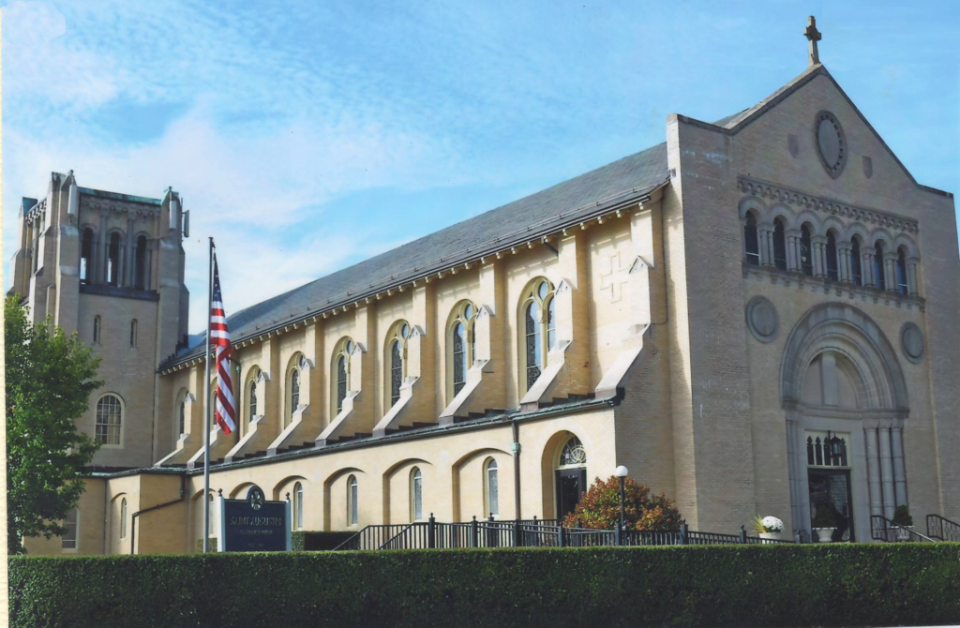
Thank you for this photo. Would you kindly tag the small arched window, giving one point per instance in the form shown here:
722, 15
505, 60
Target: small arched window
109, 419
397, 342
352, 509
96, 329
133, 333
539, 324
856, 262
779, 245
492, 488
832, 273
140, 268
86, 256
298, 506
341, 374
113, 260
416, 494
294, 393
463, 344
123, 518
573, 454
252, 397
183, 416
902, 286
751, 242
878, 274
806, 254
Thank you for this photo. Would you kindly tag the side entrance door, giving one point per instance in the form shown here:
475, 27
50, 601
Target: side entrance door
571, 483
830, 489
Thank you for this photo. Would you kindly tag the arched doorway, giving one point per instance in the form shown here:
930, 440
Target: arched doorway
845, 399
571, 476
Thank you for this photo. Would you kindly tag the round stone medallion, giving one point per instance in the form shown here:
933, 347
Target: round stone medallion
762, 319
911, 341
831, 143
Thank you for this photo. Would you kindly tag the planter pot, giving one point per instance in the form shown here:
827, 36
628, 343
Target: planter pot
770, 535
825, 535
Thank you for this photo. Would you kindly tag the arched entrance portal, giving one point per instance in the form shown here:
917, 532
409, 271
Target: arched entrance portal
845, 399
571, 476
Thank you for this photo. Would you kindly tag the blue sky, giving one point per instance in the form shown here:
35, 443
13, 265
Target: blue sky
306, 136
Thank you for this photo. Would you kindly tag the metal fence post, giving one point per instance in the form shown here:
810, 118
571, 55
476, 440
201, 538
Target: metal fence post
743, 535
431, 532
473, 532
684, 534
517, 541
561, 537
618, 536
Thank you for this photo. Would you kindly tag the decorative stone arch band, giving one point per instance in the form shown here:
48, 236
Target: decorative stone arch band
846, 329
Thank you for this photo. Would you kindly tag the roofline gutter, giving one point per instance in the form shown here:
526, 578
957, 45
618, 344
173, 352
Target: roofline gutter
621, 204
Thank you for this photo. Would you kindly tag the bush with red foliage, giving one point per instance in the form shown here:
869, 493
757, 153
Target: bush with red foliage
599, 508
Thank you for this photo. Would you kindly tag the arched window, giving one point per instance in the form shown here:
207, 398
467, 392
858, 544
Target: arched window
113, 260
806, 254
878, 274
779, 244
397, 342
183, 416
69, 539
341, 374
252, 398
133, 333
294, 399
751, 243
123, 518
96, 329
416, 495
462, 348
856, 269
573, 454
539, 323
832, 273
901, 271
298, 506
109, 418
140, 268
352, 510
493, 488
86, 256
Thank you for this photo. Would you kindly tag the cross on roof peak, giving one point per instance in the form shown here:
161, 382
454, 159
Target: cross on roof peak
813, 35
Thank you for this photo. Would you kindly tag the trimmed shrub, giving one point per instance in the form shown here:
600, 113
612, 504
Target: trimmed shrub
783, 585
599, 508
306, 541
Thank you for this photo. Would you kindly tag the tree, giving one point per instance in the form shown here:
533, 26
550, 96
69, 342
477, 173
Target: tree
49, 378
599, 508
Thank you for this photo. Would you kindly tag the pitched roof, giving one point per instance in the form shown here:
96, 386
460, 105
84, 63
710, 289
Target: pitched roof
517, 222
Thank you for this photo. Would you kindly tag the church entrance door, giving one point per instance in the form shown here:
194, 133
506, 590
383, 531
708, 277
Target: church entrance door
830, 491
571, 483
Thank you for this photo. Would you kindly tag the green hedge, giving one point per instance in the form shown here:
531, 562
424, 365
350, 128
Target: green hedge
807, 585
317, 541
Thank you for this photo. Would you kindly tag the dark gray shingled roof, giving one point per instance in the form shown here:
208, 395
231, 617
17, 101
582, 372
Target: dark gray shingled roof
516, 222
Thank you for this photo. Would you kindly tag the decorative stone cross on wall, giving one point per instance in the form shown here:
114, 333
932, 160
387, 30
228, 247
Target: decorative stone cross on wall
615, 278
812, 34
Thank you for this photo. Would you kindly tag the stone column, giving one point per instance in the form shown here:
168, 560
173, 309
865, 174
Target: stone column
866, 268
818, 246
890, 267
873, 471
793, 250
843, 263
913, 287
899, 474
886, 471
765, 238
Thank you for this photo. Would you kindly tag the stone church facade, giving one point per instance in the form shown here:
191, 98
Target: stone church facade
758, 315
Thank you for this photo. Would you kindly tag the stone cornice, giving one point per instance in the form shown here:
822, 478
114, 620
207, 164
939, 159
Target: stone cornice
768, 190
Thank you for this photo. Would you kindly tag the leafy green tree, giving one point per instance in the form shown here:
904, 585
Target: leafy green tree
49, 378
599, 508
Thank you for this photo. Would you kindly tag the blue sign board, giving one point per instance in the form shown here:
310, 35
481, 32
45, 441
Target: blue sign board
254, 524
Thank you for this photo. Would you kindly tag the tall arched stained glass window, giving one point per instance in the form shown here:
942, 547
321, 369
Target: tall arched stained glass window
878, 271
806, 254
493, 488
832, 273
856, 262
396, 371
533, 343
459, 339
416, 495
902, 287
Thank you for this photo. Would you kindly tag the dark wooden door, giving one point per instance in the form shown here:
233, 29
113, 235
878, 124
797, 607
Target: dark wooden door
830, 488
571, 483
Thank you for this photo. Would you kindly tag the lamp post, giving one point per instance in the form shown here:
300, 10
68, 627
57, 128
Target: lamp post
621, 473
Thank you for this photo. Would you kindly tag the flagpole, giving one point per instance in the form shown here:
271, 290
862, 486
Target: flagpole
206, 415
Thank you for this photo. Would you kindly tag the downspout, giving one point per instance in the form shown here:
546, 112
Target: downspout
516, 468
133, 522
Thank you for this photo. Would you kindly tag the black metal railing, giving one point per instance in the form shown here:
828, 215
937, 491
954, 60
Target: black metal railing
883, 529
490, 533
942, 529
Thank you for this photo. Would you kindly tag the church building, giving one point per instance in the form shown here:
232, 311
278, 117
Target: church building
758, 315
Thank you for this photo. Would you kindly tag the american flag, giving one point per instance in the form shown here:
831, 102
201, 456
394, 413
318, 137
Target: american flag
220, 337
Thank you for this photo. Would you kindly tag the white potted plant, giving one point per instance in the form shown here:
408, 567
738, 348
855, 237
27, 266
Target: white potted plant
824, 524
768, 527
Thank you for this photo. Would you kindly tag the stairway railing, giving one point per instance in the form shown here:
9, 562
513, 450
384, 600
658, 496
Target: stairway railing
883, 529
942, 529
